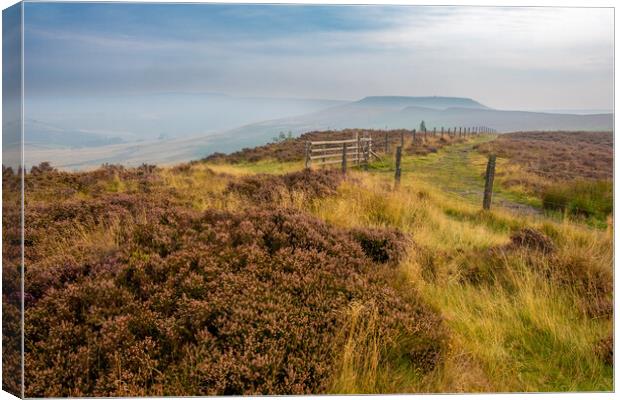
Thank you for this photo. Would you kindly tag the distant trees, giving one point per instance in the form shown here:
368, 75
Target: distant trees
282, 137
422, 126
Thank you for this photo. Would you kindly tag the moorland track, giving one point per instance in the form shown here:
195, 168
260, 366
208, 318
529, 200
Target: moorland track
458, 169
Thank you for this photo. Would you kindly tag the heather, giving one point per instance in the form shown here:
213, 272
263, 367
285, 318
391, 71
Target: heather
292, 149
565, 172
222, 277
558, 155
151, 297
11, 290
275, 188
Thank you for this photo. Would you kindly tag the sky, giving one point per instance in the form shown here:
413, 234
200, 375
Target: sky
507, 58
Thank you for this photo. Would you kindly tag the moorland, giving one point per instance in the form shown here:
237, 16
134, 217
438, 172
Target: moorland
248, 274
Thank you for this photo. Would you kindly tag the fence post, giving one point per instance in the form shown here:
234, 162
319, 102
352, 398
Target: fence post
366, 154
397, 172
488, 183
344, 159
357, 148
307, 160
414, 136
387, 146
402, 138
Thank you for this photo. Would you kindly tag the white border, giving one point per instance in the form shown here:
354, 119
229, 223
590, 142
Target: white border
508, 3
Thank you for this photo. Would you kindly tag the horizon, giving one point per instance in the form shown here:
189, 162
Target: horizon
322, 52
120, 82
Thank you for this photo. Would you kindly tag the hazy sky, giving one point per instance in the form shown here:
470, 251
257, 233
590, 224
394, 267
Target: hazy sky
511, 58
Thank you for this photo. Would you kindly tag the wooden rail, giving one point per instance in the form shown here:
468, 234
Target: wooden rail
357, 150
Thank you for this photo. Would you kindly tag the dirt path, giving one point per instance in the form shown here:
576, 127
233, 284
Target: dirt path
459, 169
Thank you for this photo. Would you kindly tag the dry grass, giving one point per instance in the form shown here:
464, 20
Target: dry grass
505, 327
514, 318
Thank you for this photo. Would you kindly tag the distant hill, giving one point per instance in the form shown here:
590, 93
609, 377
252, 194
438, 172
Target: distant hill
376, 112
434, 102
388, 114
151, 116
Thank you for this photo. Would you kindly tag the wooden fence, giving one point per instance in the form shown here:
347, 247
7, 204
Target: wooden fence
357, 150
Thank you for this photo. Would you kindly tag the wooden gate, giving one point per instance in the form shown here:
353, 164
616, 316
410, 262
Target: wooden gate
356, 150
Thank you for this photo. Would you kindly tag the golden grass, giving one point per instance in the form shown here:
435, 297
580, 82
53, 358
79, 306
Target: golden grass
523, 335
523, 332
358, 364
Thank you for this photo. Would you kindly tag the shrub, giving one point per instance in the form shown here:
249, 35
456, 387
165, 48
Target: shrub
381, 245
42, 168
214, 303
585, 198
557, 155
264, 188
11, 282
605, 349
530, 238
593, 283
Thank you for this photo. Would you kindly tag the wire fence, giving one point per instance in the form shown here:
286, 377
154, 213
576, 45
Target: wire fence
464, 186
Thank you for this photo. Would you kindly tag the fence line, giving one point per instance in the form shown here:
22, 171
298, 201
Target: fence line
359, 150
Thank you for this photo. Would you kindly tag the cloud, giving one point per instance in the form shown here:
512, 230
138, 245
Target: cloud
503, 56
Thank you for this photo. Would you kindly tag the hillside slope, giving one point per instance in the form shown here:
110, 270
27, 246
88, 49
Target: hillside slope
377, 112
261, 278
